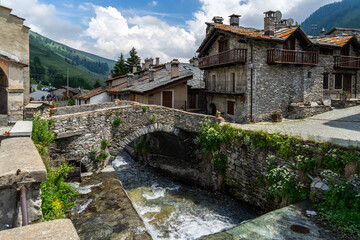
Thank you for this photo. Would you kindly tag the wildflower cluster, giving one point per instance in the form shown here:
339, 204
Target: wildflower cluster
276, 112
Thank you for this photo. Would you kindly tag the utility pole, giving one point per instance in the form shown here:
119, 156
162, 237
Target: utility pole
67, 80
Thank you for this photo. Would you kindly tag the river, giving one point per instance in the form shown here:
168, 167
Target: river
172, 210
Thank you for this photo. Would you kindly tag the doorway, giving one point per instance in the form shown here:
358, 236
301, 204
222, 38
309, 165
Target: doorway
167, 99
3, 93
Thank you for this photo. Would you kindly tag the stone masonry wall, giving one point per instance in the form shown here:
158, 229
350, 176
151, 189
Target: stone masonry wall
76, 134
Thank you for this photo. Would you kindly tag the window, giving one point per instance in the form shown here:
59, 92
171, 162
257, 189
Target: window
326, 51
309, 74
213, 83
232, 82
230, 107
223, 45
290, 43
338, 81
326, 81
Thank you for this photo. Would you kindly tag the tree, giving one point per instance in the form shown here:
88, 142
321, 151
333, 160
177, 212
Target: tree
132, 60
120, 67
97, 84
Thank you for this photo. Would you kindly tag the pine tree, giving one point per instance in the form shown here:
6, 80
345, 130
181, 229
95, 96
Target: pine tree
132, 60
119, 67
97, 84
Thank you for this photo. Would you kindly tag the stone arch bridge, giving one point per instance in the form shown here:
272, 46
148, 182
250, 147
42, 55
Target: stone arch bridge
79, 129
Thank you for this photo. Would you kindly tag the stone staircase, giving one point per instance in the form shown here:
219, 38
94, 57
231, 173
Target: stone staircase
3, 120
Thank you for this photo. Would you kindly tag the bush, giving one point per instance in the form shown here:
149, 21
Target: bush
41, 135
56, 195
102, 155
104, 143
71, 101
117, 122
144, 108
152, 118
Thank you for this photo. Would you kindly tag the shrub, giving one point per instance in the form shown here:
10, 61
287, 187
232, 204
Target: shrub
117, 122
142, 145
144, 108
104, 143
41, 135
102, 155
152, 118
56, 195
71, 101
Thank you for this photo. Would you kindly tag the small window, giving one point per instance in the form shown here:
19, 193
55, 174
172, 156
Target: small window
232, 82
338, 81
309, 74
326, 51
213, 82
326, 81
230, 107
223, 45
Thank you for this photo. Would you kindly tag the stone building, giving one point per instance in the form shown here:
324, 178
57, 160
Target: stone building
250, 72
14, 67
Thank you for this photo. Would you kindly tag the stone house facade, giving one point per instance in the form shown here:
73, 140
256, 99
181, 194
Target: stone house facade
14, 66
250, 72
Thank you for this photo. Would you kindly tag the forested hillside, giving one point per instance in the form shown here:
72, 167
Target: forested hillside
344, 14
50, 60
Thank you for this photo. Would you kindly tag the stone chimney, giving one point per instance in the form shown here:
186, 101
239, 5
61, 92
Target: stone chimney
147, 63
218, 19
234, 20
157, 61
134, 68
130, 79
269, 23
151, 62
322, 32
151, 74
174, 68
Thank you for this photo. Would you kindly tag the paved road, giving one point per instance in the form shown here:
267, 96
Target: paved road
340, 126
38, 93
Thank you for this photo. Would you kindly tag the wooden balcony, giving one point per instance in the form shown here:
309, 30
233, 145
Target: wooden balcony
347, 62
224, 58
292, 57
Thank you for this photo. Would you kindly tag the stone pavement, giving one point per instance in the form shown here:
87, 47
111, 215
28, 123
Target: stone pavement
339, 126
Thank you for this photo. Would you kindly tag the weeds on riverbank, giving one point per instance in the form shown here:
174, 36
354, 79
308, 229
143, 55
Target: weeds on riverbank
56, 195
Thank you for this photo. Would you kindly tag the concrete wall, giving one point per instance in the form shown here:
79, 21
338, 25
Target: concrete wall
100, 98
20, 165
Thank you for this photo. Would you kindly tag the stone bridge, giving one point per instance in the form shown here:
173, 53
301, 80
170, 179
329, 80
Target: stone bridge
80, 129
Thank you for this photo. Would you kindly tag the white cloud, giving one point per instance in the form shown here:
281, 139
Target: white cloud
151, 36
42, 18
85, 6
153, 3
68, 5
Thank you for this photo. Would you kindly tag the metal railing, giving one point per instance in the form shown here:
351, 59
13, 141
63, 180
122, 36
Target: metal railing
347, 62
223, 58
292, 57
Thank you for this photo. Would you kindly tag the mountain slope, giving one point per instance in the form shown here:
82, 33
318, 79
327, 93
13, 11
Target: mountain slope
55, 58
344, 14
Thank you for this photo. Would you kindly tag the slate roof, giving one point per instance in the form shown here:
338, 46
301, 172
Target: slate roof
73, 90
91, 93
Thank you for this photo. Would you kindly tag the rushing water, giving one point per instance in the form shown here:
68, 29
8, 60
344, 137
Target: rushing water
172, 210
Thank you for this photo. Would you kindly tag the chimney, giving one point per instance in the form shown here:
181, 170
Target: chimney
234, 20
218, 19
157, 61
174, 68
269, 23
322, 33
134, 68
147, 63
151, 74
151, 62
143, 66
129, 79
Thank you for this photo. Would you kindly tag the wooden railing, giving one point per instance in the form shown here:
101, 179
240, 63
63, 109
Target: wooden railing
223, 58
347, 62
292, 57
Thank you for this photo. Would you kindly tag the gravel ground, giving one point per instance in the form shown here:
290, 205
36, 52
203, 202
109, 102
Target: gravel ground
340, 126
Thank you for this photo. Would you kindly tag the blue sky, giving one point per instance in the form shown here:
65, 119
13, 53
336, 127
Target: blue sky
156, 28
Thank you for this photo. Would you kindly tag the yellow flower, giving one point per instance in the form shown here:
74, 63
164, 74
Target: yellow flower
57, 206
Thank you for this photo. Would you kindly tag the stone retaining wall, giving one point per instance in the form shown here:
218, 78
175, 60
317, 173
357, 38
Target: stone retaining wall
345, 104
298, 112
20, 165
77, 134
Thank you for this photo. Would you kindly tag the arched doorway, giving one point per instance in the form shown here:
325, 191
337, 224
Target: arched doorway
212, 109
3, 93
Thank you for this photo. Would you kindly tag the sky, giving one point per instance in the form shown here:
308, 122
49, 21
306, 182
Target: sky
156, 28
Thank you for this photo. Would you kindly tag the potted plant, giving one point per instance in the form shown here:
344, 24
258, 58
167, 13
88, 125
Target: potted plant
346, 95
52, 105
52, 111
276, 115
217, 113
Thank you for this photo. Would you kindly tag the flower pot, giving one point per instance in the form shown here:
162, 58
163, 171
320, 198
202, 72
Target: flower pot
217, 115
276, 118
